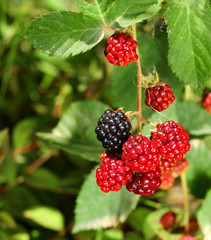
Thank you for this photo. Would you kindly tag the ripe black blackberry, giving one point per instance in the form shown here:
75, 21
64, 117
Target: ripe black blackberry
113, 129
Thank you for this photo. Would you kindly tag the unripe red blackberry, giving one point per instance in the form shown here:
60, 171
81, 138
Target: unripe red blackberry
187, 237
113, 129
112, 174
159, 97
172, 139
140, 154
206, 102
121, 49
167, 181
168, 219
145, 183
167, 165
193, 225
181, 166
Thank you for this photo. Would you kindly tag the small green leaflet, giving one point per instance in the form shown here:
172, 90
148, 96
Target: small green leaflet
45, 216
189, 30
204, 216
95, 209
62, 34
125, 13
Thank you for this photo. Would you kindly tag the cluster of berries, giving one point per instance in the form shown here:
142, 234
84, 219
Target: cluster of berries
141, 164
134, 160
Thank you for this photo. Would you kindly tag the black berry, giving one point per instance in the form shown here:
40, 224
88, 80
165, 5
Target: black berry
113, 129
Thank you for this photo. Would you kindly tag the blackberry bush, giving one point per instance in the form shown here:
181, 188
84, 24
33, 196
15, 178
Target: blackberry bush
174, 42
113, 129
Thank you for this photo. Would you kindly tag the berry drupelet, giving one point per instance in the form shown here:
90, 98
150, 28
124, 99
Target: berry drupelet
167, 165
121, 49
181, 166
113, 129
140, 154
112, 174
172, 139
145, 183
167, 181
159, 97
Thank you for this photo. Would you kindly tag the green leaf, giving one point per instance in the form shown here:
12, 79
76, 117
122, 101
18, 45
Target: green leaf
199, 125
17, 200
43, 179
124, 13
113, 234
98, 9
8, 169
189, 30
157, 117
204, 216
24, 132
46, 217
95, 209
3, 235
199, 172
19, 233
137, 218
6, 220
122, 85
4, 143
61, 34
75, 132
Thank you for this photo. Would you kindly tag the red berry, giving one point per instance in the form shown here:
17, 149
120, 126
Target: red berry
206, 102
172, 139
167, 165
121, 49
145, 183
159, 97
140, 154
181, 166
168, 219
193, 224
167, 181
112, 174
187, 237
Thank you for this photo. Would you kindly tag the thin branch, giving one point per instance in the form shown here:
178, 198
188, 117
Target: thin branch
139, 73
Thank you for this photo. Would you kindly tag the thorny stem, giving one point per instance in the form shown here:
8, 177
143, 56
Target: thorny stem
139, 73
186, 202
62, 233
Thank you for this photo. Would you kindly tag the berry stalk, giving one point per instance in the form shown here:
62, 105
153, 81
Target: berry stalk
140, 76
186, 202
